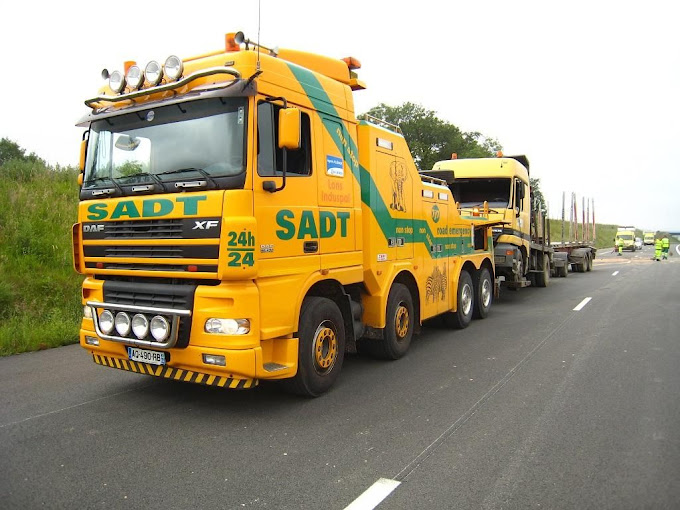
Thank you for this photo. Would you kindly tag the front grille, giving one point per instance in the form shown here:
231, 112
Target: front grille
152, 267
165, 229
154, 251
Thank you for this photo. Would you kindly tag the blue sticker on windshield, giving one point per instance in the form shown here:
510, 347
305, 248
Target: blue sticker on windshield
334, 166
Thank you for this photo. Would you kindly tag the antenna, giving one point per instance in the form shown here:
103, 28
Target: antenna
259, 10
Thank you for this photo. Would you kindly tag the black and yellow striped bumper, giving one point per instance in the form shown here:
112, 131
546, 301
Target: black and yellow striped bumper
176, 374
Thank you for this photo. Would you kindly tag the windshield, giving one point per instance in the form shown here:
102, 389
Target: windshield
626, 237
201, 141
474, 192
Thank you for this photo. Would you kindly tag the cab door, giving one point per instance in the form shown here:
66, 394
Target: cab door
287, 218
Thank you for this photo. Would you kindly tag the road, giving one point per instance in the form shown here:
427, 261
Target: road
537, 406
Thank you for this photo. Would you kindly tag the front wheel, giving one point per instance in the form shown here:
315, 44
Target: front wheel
543, 278
460, 319
321, 348
483, 294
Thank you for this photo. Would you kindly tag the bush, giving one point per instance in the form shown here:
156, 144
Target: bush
39, 291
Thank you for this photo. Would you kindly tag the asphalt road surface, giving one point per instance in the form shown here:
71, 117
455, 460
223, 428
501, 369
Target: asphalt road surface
537, 406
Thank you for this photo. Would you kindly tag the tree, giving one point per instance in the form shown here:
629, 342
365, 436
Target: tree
539, 200
10, 150
432, 139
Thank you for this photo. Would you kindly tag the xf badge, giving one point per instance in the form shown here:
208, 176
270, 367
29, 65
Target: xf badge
205, 225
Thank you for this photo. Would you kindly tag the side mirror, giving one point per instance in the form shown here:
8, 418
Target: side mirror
289, 129
81, 166
83, 151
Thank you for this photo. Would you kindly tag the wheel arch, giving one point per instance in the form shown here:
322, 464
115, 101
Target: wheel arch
336, 292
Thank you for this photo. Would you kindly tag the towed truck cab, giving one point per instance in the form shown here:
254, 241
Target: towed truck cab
501, 186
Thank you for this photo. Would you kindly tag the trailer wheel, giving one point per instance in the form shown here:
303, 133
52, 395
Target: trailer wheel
321, 347
483, 294
400, 323
543, 278
589, 263
460, 319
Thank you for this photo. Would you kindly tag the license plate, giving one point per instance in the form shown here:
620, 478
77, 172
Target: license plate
152, 357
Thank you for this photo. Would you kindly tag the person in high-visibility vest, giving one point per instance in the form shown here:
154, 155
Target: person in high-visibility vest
658, 247
665, 245
619, 245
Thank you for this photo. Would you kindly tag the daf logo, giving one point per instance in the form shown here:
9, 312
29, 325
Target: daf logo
205, 225
93, 228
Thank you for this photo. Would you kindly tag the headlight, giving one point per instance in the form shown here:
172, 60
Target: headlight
135, 78
160, 328
140, 326
173, 68
153, 72
106, 322
122, 323
117, 82
227, 326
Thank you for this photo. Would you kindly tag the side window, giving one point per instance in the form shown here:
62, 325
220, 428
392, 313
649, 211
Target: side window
269, 156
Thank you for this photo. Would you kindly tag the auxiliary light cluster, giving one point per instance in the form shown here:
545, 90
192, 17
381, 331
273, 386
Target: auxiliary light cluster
153, 75
138, 324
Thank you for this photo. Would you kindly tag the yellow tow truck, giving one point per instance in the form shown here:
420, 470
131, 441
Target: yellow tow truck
238, 223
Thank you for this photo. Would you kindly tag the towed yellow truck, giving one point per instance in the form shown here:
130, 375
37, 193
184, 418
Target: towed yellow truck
238, 223
524, 253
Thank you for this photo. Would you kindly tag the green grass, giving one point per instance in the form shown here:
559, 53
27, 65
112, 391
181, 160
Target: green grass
39, 290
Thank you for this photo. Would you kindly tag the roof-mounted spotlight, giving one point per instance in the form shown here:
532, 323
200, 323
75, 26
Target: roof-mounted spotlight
153, 73
173, 68
135, 78
116, 82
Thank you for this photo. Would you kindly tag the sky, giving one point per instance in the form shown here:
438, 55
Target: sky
588, 90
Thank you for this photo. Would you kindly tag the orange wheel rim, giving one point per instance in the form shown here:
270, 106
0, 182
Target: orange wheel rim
401, 321
325, 346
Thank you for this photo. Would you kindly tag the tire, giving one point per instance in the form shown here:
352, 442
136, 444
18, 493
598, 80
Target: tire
321, 348
399, 325
483, 287
581, 267
461, 318
563, 271
543, 278
589, 263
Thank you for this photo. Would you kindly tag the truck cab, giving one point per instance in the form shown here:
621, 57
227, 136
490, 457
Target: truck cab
501, 187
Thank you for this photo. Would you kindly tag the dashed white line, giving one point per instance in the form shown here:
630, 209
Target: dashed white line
615, 273
374, 495
582, 304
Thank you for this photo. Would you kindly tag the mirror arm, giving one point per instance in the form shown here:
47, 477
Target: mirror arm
271, 185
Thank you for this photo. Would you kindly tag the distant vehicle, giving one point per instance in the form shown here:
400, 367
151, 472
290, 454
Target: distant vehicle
627, 234
649, 238
638, 243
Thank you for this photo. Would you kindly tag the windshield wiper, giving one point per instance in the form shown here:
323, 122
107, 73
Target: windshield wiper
147, 174
191, 184
108, 191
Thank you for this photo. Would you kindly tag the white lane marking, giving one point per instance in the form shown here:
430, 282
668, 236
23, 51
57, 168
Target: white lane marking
615, 273
677, 248
582, 304
374, 495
